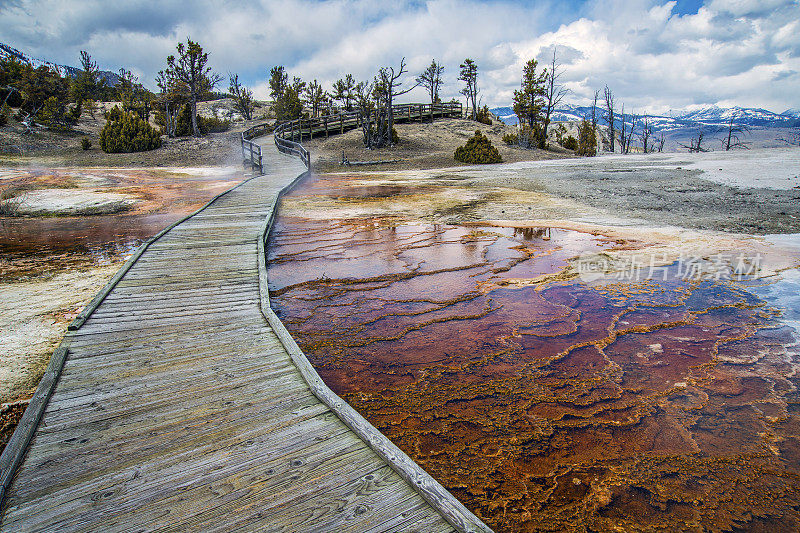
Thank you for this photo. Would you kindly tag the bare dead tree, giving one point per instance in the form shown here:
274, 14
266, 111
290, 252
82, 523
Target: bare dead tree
646, 134
627, 131
734, 137
696, 143
11, 90
594, 113
387, 86
28, 122
365, 103
609, 98
662, 139
554, 92
628, 142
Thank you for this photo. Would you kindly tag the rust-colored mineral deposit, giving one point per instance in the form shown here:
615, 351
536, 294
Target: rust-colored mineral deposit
543, 402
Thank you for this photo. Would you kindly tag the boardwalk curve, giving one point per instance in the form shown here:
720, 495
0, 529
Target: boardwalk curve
183, 404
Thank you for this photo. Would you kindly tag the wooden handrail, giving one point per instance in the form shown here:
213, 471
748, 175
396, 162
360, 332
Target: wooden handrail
251, 152
289, 135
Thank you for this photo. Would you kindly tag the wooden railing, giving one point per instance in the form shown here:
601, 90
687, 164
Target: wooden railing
289, 135
251, 152
289, 146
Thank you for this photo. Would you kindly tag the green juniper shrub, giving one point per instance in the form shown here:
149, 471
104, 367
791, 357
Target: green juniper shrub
213, 124
5, 114
483, 116
478, 150
532, 137
570, 143
86, 143
587, 140
127, 132
56, 115
395, 136
560, 130
183, 127
76, 112
511, 138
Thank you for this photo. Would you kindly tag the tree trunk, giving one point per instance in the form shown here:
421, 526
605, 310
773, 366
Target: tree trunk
389, 118
195, 129
475, 103
546, 124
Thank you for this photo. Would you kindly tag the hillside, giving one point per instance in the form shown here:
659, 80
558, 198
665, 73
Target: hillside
422, 146
65, 70
710, 116
765, 128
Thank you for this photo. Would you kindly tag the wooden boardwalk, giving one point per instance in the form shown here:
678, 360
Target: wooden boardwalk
181, 405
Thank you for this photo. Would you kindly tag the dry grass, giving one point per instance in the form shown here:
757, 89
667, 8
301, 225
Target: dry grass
422, 146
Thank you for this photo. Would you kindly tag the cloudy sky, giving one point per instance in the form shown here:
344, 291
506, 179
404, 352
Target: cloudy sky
655, 55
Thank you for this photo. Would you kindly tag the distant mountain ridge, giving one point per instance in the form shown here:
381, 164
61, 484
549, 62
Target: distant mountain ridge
65, 70
711, 116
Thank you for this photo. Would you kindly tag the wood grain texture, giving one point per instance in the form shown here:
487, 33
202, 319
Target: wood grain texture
431, 490
173, 404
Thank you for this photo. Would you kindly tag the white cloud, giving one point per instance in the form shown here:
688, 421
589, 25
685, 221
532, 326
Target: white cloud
745, 52
656, 60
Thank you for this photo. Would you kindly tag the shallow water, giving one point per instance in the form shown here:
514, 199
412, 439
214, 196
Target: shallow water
542, 401
31, 246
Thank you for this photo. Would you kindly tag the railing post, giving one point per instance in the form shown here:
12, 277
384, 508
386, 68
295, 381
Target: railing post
341, 123
326, 126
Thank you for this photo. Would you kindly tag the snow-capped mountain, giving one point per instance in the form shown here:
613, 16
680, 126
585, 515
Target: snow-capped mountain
564, 113
714, 117
65, 70
506, 115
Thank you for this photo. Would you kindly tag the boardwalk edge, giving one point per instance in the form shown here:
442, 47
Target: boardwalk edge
452, 510
17, 445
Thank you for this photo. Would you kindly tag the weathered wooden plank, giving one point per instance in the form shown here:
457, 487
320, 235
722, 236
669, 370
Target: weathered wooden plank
436, 495
154, 480
180, 408
155, 356
141, 382
415, 515
274, 478
152, 401
84, 314
297, 428
16, 447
